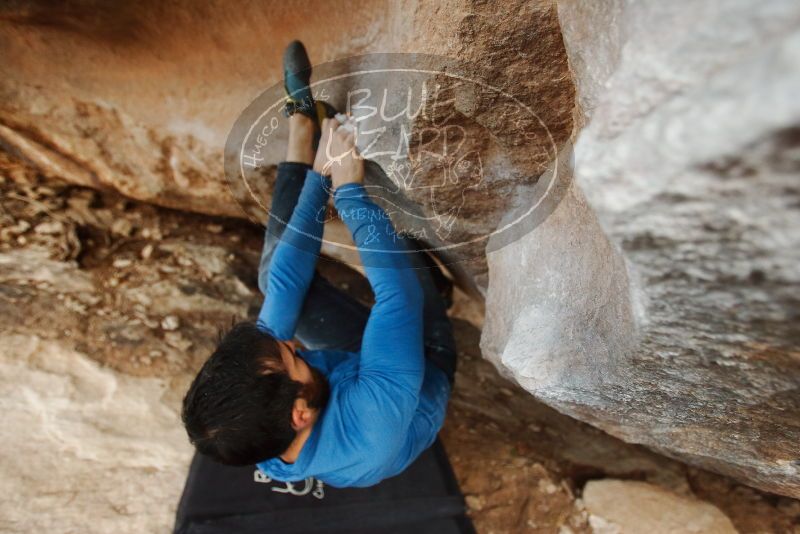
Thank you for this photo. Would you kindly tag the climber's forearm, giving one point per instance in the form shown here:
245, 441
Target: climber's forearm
294, 261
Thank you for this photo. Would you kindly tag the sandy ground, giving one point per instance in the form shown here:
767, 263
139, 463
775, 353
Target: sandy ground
108, 307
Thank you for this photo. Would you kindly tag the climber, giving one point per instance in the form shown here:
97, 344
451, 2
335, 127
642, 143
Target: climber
368, 393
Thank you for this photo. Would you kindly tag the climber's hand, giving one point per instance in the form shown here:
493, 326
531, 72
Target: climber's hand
350, 168
337, 155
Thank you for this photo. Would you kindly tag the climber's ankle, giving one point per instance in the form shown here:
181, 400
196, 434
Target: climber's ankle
301, 139
301, 124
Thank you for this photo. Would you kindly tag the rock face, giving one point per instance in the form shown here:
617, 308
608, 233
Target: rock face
142, 100
107, 310
665, 310
73, 425
627, 507
653, 290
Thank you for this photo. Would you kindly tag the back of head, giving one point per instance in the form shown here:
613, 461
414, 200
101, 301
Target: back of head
238, 409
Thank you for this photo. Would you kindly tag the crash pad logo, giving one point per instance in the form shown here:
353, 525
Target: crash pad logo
309, 486
457, 164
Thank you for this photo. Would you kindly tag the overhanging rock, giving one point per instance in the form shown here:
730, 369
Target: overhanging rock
689, 161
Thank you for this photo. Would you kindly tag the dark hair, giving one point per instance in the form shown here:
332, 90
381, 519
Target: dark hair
238, 409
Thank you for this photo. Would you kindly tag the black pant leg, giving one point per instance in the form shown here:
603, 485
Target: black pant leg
331, 319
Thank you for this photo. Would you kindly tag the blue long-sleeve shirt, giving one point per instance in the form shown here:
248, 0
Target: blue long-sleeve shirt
387, 401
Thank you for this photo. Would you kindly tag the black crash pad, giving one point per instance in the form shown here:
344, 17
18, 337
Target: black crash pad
221, 499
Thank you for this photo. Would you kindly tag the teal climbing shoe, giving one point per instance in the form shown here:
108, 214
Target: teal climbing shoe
296, 83
296, 79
